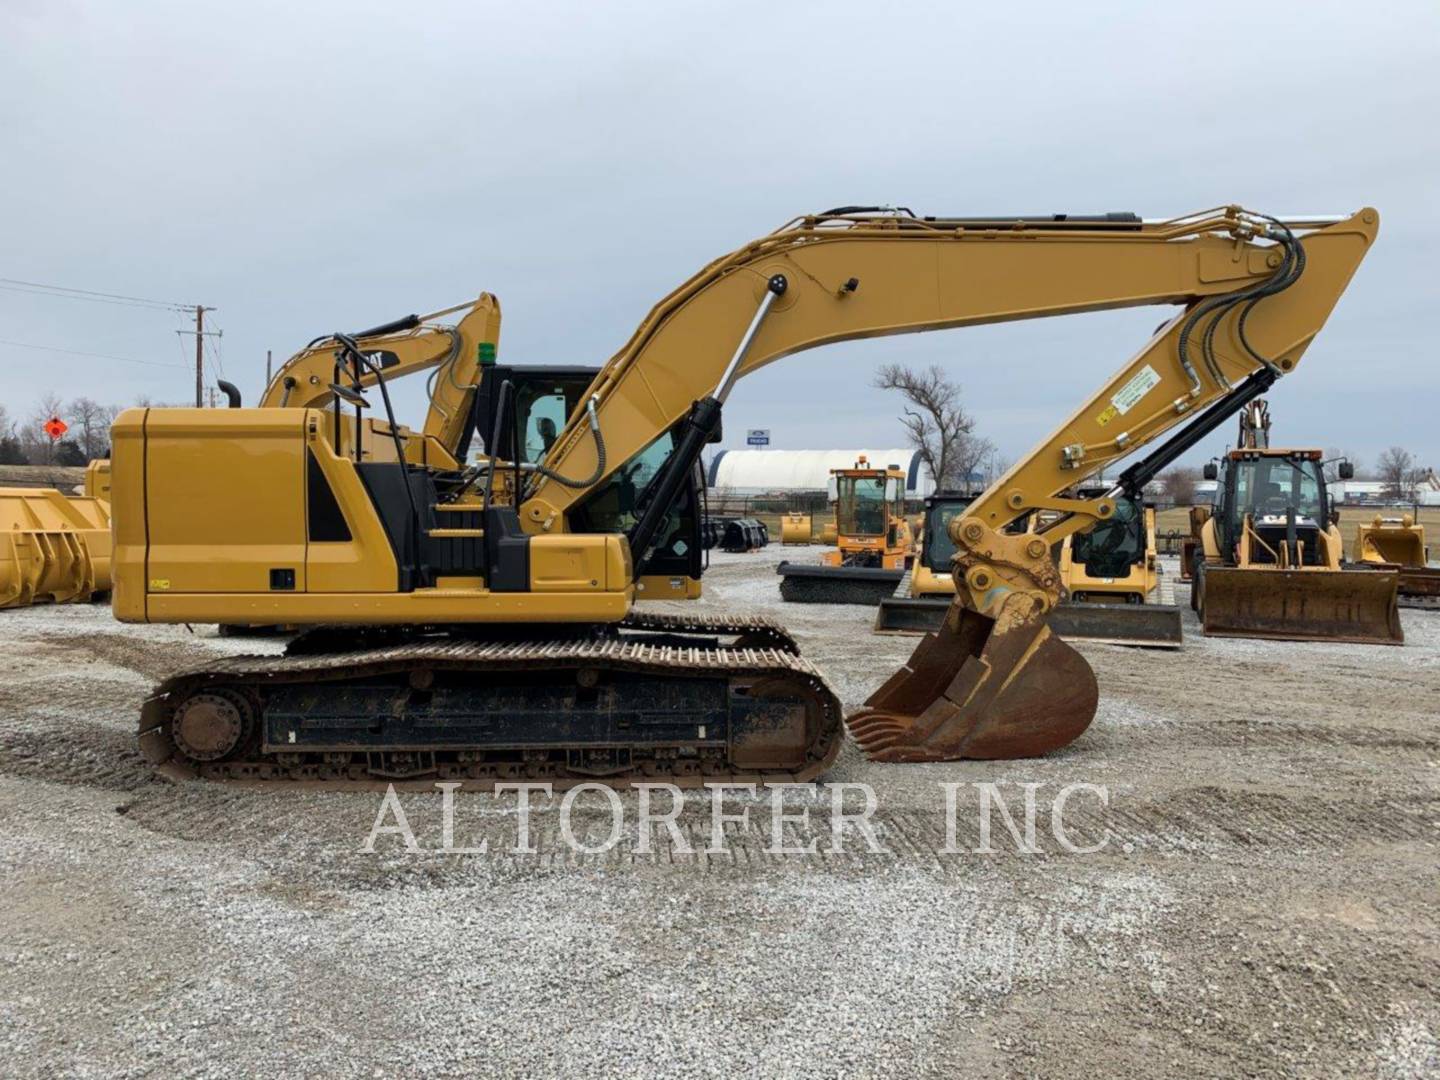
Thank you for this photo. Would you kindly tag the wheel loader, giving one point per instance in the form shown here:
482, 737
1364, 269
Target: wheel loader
873, 542
475, 621
1110, 574
1267, 561
1398, 543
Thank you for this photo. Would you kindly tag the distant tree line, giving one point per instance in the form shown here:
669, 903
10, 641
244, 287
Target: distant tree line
24, 441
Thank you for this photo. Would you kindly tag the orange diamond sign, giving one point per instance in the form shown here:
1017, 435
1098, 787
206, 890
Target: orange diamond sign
55, 427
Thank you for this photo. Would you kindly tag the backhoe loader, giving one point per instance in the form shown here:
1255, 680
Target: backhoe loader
1398, 544
873, 542
475, 622
1267, 562
1113, 592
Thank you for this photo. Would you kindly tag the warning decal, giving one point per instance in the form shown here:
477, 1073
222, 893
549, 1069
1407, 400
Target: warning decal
1130, 394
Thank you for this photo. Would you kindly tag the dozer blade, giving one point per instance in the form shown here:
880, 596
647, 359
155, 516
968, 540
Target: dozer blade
1155, 626
1302, 605
979, 688
1419, 587
1148, 625
813, 584
910, 614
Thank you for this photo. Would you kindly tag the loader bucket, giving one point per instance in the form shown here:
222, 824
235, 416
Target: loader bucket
815, 584
979, 688
1301, 605
53, 549
1148, 625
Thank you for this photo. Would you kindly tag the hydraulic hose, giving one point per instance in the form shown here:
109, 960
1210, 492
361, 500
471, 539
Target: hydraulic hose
594, 477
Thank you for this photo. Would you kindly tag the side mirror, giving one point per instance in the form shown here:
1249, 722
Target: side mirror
1347, 471
1211, 471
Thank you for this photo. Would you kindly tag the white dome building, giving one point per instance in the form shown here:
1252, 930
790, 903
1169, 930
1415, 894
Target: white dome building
767, 472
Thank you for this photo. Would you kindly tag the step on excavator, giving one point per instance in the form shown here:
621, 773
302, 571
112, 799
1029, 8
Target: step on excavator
873, 541
476, 621
1268, 555
1113, 590
1398, 544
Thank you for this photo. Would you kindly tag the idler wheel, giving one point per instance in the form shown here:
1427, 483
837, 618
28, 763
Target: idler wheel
210, 724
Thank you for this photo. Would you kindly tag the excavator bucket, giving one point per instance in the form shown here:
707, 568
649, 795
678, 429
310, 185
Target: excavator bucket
818, 584
1301, 605
980, 687
1148, 625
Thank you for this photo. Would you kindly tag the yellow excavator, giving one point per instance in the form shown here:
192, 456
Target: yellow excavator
1113, 589
1267, 562
873, 541
476, 622
1398, 544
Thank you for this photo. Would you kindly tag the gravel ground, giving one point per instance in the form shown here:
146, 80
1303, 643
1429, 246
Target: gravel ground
1264, 903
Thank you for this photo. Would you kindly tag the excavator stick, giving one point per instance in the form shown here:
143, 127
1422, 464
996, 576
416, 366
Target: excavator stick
818, 584
980, 687
1148, 625
1301, 605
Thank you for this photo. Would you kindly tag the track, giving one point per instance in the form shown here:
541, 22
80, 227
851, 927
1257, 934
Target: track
659, 701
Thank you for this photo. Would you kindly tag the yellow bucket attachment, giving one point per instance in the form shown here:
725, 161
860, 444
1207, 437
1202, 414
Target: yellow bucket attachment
795, 529
980, 687
1301, 605
53, 548
1391, 542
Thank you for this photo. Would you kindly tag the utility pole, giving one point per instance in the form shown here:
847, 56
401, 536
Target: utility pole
200, 333
267, 367
199, 354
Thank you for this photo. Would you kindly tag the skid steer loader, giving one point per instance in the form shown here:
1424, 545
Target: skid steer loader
1111, 576
873, 542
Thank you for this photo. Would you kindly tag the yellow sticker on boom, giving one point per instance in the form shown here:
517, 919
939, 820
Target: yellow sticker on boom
1108, 415
159, 584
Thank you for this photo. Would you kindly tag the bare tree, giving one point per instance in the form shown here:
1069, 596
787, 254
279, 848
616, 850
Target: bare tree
1396, 470
1179, 485
92, 421
936, 423
38, 446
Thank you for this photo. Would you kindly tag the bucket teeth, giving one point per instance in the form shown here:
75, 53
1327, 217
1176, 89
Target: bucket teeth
975, 690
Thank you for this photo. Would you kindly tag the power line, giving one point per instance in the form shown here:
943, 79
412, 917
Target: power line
78, 352
67, 293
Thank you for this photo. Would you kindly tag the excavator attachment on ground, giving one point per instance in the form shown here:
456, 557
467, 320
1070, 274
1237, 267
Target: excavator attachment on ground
55, 548
873, 542
1267, 561
1398, 544
475, 620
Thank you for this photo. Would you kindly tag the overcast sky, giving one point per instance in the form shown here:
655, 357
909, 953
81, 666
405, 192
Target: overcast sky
305, 167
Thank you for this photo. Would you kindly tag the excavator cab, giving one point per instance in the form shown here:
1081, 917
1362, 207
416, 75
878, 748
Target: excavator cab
541, 399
